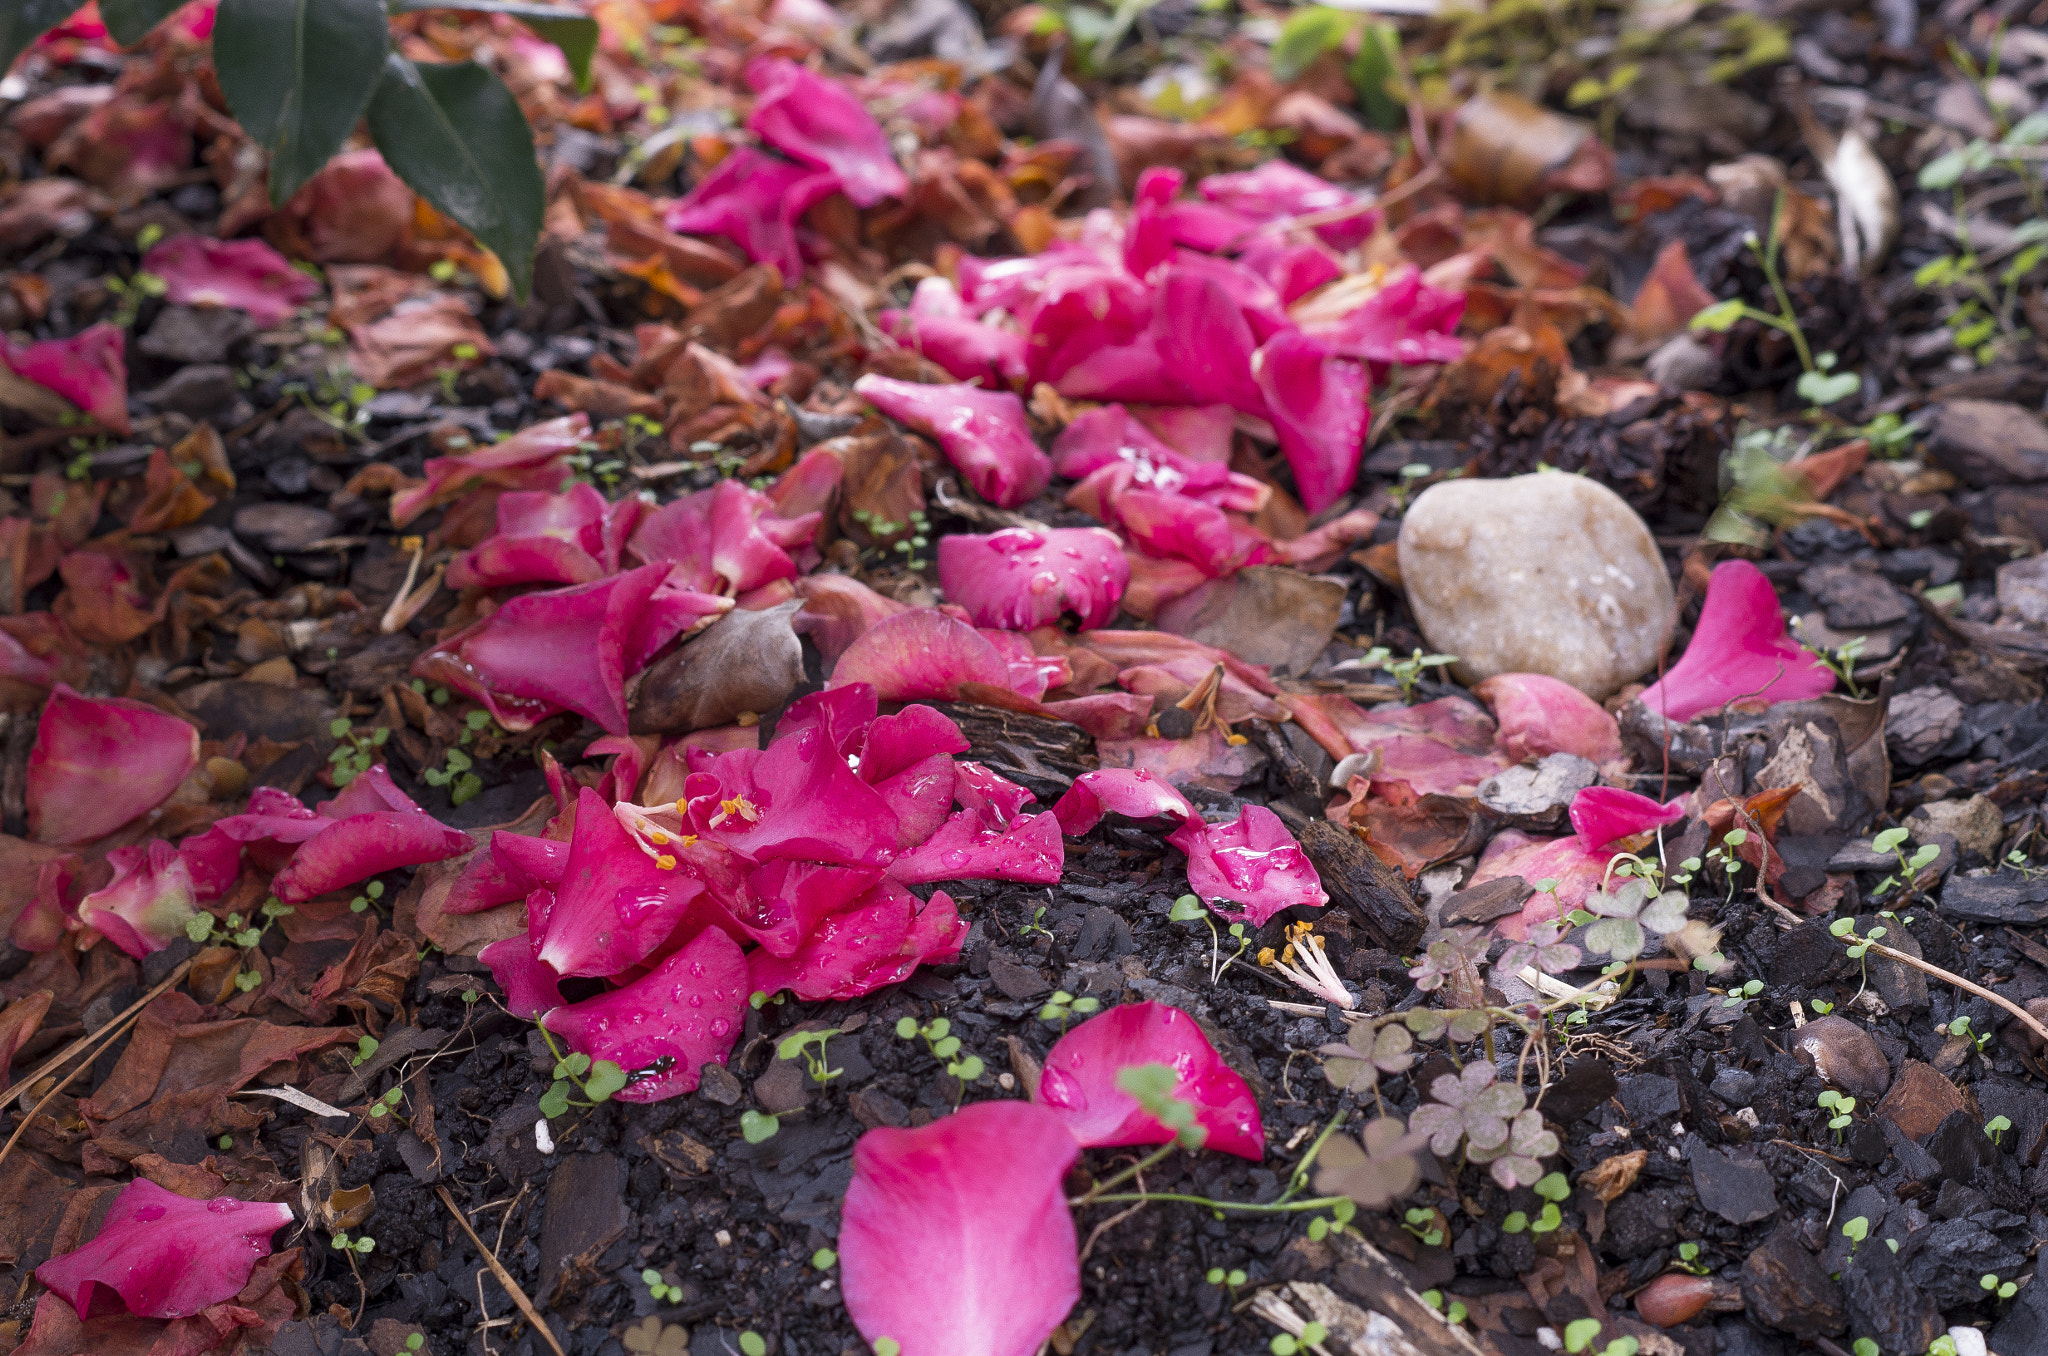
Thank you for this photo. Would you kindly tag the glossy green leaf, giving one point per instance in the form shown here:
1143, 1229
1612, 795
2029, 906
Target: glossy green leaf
298, 75
1374, 75
455, 133
130, 20
1306, 36
565, 26
23, 21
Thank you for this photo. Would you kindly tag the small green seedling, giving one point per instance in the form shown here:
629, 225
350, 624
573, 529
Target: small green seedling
1312, 1335
940, 1040
1153, 1086
363, 1244
1422, 1223
1864, 1346
1062, 1007
1188, 909
1996, 1127
797, 1045
888, 1346
1822, 1006
1231, 1279
1689, 1259
1893, 841
1340, 1215
415, 1342
1843, 1109
1961, 1027
1742, 993
1857, 1229
576, 1072
1037, 924
658, 1286
2002, 1289
1435, 1300
386, 1104
753, 1344
824, 1259
757, 1126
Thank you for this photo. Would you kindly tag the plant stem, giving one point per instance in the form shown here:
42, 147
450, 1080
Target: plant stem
1301, 1169
1319, 1203
1094, 1193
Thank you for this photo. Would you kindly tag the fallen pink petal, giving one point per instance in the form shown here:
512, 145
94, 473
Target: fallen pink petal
1079, 1081
1739, 654
981, 432
149, 902
99, 762
1603, 815
664, 1027
161, 1255
241, 275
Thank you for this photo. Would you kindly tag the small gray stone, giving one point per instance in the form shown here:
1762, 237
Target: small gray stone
1684, 364
1977, 824
1918, 724
2001, 897
1856, 599
1737, 1186
1543, 573
1541, 792
1734, 1086
1785, 1287
199, 541
198, 392
191, 334
1844, 1054
2023, 591
285, 528
1989, 442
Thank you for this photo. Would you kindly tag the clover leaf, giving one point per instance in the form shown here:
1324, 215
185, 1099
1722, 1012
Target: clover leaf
1514, 1161
1458, 951
1377, 1168
1471, 1106
1356, 1063
1544, 948
1625, 912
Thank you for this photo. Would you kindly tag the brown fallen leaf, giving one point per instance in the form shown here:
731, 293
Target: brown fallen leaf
1610, 1177
1505, 149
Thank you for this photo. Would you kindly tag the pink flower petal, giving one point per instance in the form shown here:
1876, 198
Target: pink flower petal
1278, 189
1539, 715
1578, 873
99, 762
727, 539
500, 874
955, 1238
1205, 340
982, 433
1020, 578
90, 370
1291, 269
1739, 652
1317, 403
878, 941
1252, 861
922, 653
147, 904
531, 459
820, 123
162, 1255
1170, 526
1130, 792
838, 610
795, 799
240, 275
542, 539
1109, 434
1405, 322
530, 985
668, 1024
615, 904
364, 845
969, 847
1602, 815
1079, 1083
754, 199
967, 349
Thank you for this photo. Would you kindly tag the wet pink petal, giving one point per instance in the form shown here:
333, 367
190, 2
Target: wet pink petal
879, 940
820, 123
727, 539
1106, 715
1110, 433
90, 370
922, 653
838, 610
240, 275
1603, 815
363, 845
1170, 526
795, 799
754, 198
1539, 715
1020, 578
1079, 1083
1317, 404
1130, 792
1578, 873
1739, 652
616, 903
530, 985
995, 358
1406, 322
513, 867
161, 1255
99, 762
969, 847
1278, 189
983, 433
955, 1238
1292, 269
892, 744
541, 539
667, 1025
1252, 861
784, 901
1031, 674
146, 906
1206, 340
531, 459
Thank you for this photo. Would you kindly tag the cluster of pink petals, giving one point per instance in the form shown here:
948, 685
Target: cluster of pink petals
534, 458
1539, 715
1603, 818
982, 433
1739, 653
161, 1255
956, 1238
240, 275
1021, 578
728, 540
802, 850
90, 369
98, 763
817, 140
1110, 435
569, 538
1405, 321
1251, 861
1442, 747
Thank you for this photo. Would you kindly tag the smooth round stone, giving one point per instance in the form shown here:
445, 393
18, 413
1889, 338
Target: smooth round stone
1546, 573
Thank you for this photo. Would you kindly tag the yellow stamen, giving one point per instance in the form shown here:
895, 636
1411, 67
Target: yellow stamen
1266, 955
657, 837
665, 862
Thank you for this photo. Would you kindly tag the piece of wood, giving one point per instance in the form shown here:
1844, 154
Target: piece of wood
1365, 1274
1359, 881
1044, 756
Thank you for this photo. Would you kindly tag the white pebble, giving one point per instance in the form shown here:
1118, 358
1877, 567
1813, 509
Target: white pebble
545, 1140
1969, 1341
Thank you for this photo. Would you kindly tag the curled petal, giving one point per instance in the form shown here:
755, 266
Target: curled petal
146, 906
99, 762
1021, 578
754, 199
1079, 1081
615, 904
240, 275
1109, 434
531, 459
1603, 815
1131, 792
727, 539
1280, 189
955, 1238
1252, 861
880, 940
797, 799
90, 370
361, 846
664, 1027
982, 433
967, 847
161, 1255
821, 124
967, 349
1540, 715
1317, 403
1739, 652
922, 653
530, 984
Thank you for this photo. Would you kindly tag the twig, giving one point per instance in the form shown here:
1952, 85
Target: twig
50, 1065
504, 1277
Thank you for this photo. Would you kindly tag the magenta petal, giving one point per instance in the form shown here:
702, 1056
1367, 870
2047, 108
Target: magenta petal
989, 794
1601, 815
146, 906
1079, 1083
821, 123
1109, 434
754, 199
1292, 270
1205, 341
99, 762
784, 901
1739, 652
982, 433
162, 1255
895, 743
967, 349
530, 985
1407, 322
795, 799
615, 905
877, 941
492, 878
1279, 189
1020, 578
955, 1238
1317, 403
1540, 715
668, 1024
90, 369
528, 458
728, 539
922, 653
362, 846
967, 847
1130, 792
240, 275
1252, 861
919, 797
503, 561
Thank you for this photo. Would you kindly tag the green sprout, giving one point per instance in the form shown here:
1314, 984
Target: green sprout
1312, 1334
1893, 841
597, 1080
1742, 992
1435, 1300
362, 1244
1063, 1006
1843, 1109
940, 1040
1996, 1127
658, 1286
797, 1045
2002, 1289
1689, 1259
1961, 1027
1188, 909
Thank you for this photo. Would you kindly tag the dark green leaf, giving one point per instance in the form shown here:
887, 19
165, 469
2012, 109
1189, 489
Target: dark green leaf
23, 21
455, 133
298, 75
1373, 70
565, 26
1306, 36
130, 20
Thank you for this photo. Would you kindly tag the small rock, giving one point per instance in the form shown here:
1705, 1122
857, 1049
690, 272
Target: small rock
198, 392
2001, 897
192, 335
1540, 794
1484, 903
1651, 1100
780, 1088
1543, 573
1016, 979
1735, 1186
718, 1084
2023, 591
1734, 1086
1960, 1145
1856, 599
1977, 824
1684, 364
1969, 1341
285, 528
1919, 724
1640, 1223
1949, 1260
872, 1107
1885, 1305
200, 541
1784, 1287
1900, 985
1844, 1054
291, 474
1810, 756
1989, 442
1919, 1100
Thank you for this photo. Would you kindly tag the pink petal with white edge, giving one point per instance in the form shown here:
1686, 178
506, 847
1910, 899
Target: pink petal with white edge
983, 433
921, 654
955, 1238
1539, 715
241, 275
1739, 652
99, 762
1252, 861
1079, 1082
1130, 792
1021, 578
530, 985
147, 905
162, 1255
1603, 815
615, 904
669, 1023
